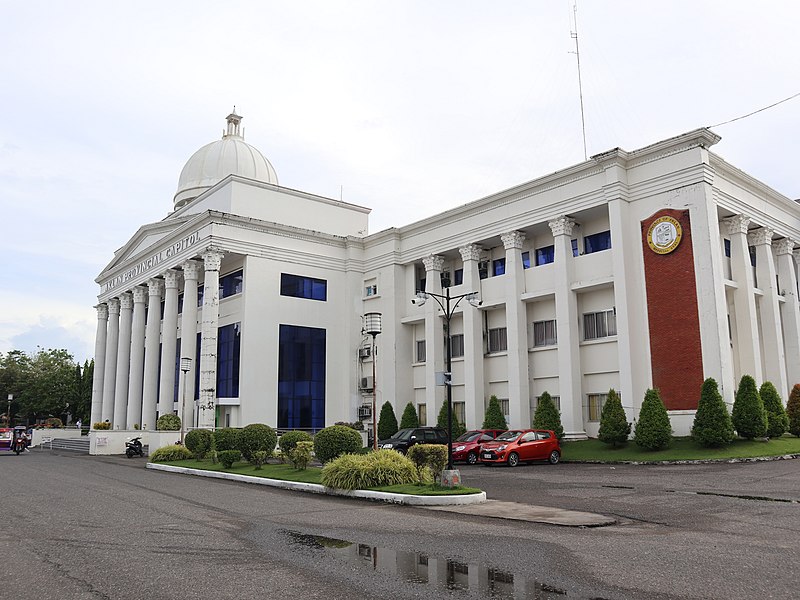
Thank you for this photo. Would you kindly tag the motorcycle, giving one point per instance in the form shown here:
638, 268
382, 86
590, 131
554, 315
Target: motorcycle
134, 448
20, 444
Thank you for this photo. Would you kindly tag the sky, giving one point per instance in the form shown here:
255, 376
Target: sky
407, 107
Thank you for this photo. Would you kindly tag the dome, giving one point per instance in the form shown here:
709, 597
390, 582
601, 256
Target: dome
215, 161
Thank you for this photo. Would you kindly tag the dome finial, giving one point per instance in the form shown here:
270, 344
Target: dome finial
234, 121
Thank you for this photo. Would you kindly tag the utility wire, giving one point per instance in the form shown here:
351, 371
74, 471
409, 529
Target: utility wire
757, 111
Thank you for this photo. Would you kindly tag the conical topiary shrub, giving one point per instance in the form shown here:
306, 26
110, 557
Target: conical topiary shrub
653, 430
712, 425
614, 426
409, 418
547, 416
387, 423
494, 418
793, 410
749, 416
777, 421
441, 421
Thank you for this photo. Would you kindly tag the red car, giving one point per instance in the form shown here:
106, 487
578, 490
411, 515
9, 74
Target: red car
521, 445
467, 445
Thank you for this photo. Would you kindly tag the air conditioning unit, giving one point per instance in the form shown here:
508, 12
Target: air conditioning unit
364, 352
365, 383
364, 412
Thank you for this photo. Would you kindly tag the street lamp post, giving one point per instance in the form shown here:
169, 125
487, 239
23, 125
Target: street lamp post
8, 412
448, 310
186, 366
372, 326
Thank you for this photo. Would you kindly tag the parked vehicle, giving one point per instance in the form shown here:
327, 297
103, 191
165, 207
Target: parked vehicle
405, 438
467, 446
134, 448
14, 439
521, 445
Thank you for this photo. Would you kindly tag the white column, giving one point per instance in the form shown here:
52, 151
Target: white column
787, 279
434, 337
99, 363
744, 299
151, 354
169, 343
212, 259
110, 371
191, 271
123, 362
519, 400
774, 360
474, 394
135, 383
569, 358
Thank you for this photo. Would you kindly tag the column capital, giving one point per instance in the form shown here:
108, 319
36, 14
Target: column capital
513, 239
140, 293
784, 246
191, 270
433, 262
172, 278
155, 286
470, 252
760, 236
212, 258
562, 225
126, 301
102, 312
113, 306
736, 224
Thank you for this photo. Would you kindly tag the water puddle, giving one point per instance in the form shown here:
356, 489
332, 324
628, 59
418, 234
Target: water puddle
440, 572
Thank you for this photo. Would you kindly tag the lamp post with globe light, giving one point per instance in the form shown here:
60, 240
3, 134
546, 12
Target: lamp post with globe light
372, 326
186, 366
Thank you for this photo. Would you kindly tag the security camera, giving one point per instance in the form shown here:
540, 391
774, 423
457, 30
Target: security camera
419, 299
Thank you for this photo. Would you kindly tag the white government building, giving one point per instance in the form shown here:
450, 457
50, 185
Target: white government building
652, 268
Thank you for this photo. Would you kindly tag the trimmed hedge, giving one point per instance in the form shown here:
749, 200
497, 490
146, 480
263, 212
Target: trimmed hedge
228, 457
653, 430
410, 418
199, 442
777, 421
168, 422
387, 423
458, 427
288, 441
170, 453
334, 441
226, 438
494, 418
793, 410
432, 456
547, 416
712, 425
749, 416
362, 471
256, 437
614, 426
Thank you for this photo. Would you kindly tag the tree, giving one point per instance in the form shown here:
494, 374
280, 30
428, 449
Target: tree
653, 430
712, 425
14, 370
547, 416
51, 387
409, 418
614, 426
749, 416
777, 421
441, 421
793, 410
387, 423
494, 418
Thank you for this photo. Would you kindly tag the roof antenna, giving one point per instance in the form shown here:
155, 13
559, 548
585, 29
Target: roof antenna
577, 53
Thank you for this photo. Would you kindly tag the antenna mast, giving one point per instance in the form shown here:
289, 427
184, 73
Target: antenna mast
577, 53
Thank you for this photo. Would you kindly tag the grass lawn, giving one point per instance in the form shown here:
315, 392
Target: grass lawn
682, 448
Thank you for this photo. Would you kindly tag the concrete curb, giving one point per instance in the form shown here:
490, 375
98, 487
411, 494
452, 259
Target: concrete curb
315, 488
699, 461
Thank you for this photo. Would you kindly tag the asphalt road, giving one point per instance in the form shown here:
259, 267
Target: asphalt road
80, 527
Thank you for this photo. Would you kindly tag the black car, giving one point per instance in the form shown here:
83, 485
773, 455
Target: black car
405, 438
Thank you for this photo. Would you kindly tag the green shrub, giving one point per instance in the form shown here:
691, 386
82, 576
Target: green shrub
288, 441
614, 426
300, 455
432, 456
793, 410
53, 422
102, 425
168, 422
357, 425
547, 416
199, 442
259, 458
410, 419
712, 425
494, 418
777, 421
170, 453
228, 457
387, 423
255, 437
441, 421
226, 438
136, 426
334, 441
653, 430
749, 416
361, 471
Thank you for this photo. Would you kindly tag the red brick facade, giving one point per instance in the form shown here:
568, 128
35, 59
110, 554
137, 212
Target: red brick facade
674, 323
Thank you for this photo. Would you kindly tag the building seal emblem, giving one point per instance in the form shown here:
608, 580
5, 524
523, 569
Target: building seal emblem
664, 235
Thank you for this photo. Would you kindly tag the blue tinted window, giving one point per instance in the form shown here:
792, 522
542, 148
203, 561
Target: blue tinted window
575, 248
298, 286
197, 366
545, 255
201, 289
728, 248
498, 267
458, 276
180, 303
230, 284
177, 370
228, 349
597, 242
301, 377
526, 260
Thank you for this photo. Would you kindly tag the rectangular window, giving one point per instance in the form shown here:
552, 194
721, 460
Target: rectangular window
752, 251
459, 412
301, 377
545, 255
228, 351
504, 406
575, 248
597, 242
180, 303
727, 247
544, 333
594, 406
298, 286
201, 291
599, 324
421, 285
498, 341
444, 277
420, 355
526, 260
231, 284
458, 276
483, 269
422, 411
371, 290
556, 400
498, 267
457, 345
